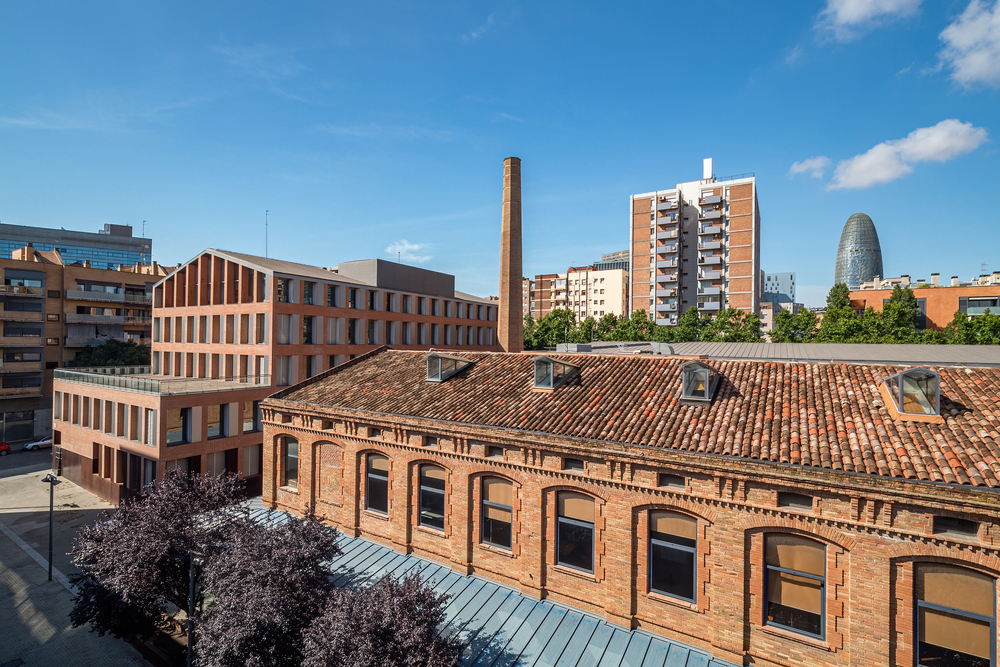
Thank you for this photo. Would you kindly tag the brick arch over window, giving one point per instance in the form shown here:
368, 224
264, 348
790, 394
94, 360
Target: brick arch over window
475, 511
550, 512
362, 488
278, 456
328, 473
837, 549
640, 553
902, 583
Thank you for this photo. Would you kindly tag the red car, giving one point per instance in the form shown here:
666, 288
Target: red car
4, 449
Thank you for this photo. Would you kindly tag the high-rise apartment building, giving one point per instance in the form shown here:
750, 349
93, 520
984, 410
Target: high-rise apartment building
227, 329
587, 291
110, 248
50, 310
696, 244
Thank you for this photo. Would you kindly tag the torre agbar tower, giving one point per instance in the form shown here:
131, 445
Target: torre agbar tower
696, 244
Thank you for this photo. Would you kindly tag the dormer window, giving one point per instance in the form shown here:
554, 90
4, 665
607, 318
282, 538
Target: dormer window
698, 382
914, 393
440, 367
550, 373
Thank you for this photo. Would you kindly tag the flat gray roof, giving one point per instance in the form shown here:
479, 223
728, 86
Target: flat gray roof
929, 355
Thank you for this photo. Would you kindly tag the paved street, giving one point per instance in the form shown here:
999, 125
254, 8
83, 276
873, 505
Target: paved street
36, 611
18, 462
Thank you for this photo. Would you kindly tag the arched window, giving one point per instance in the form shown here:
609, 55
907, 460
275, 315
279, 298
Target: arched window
377, 487
955, 616
673, 542
291, 450
498, 512
796, 583
575, 531
432, 505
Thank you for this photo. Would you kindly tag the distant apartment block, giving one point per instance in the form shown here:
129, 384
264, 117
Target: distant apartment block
696, 244
779, 287
227, 329
587, 291
769, 311
938, 303
110, 248
49, 311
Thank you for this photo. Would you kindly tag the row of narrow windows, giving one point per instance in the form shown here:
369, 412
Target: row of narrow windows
955, 620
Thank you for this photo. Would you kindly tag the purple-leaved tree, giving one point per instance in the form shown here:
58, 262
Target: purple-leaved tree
269, 585
134, 563
393, 623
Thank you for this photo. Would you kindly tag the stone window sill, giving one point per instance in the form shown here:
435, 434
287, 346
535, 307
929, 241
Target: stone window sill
588, 576
795, 636
376, 515
500, 551
431, 531
289, 489
676, 602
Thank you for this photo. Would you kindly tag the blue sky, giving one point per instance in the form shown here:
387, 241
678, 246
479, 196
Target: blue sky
370, 128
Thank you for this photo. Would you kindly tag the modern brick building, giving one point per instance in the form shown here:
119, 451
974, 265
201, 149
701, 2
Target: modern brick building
51, 309
227, 329
768, 512
938, 303
696, 244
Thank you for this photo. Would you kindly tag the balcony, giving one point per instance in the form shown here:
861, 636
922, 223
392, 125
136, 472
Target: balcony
664, 249
709, 305
78, 318
713, 214
709, 259
709, 290
709, 230
107, 297
19, 316
139, 379
131, 321
666, 321
666, 205
711, 199
21, 290
672, 234
709, 245
666, 307
20, 392
19, 366
20, 341
668, 219
667, 278
666, 264
666, 292
709, 275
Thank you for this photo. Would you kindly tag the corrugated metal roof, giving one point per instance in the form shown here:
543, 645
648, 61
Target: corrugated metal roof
502, 627
936, 355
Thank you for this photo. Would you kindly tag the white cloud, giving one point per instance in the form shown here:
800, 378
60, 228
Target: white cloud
407, 251
816, 166
892, 159
972, 45
481, 31
848, 19
794, 54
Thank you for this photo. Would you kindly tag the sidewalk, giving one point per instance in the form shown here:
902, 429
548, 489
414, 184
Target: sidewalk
36, 611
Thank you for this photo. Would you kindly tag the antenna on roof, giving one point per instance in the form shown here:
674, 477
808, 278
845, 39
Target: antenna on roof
265, 233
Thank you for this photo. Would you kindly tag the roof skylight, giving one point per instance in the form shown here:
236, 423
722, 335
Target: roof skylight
440, 367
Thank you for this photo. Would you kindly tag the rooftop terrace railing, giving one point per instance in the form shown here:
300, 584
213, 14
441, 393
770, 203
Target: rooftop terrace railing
130, 378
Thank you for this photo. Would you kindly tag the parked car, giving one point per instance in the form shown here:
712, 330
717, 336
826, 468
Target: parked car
38, 444
4, 449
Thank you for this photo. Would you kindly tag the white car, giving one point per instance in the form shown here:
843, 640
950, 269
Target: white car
38, 444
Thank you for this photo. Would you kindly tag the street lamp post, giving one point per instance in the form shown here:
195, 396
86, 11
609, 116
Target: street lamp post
51, 480
190, 616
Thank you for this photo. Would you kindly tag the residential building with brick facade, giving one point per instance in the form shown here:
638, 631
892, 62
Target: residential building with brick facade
228, 329
588, 291
50, 310
696, 244
937, 303
767, 512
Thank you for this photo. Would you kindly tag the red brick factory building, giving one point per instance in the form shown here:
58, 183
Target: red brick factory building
768, 512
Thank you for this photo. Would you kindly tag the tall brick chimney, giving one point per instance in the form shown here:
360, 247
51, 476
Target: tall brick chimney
510, 328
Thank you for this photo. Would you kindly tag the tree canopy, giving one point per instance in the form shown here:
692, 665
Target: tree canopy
114, 352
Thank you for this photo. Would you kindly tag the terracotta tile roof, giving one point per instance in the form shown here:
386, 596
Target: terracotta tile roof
820, 415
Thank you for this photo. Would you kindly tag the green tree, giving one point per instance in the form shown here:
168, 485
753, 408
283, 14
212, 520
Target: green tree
559, 326
840, 325
530, 333
113, 353
973, 330
689, 326
606, 327
733, 326
586, 332
839, 296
